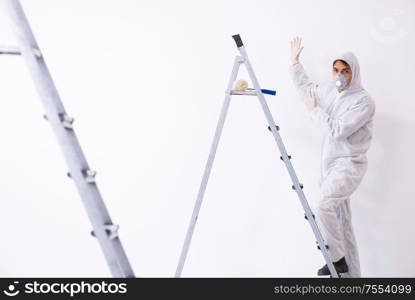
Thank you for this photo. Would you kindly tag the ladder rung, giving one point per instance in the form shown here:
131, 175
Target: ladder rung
289, 157
301, 186
276, 126
111, 230
16, 51
327, 247
37, 52
305, 216
10, 50
89, 175
66, 120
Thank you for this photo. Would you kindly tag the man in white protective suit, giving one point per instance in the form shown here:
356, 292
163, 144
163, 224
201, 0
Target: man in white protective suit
344, 111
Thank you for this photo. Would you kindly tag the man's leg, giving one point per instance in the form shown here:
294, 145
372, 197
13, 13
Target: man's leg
336, 187
350, 244
333, 211
328, 222
340, 179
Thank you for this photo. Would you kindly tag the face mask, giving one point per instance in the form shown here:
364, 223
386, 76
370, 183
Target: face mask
340, 81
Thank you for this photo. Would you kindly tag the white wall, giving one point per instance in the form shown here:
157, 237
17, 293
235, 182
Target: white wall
145, 82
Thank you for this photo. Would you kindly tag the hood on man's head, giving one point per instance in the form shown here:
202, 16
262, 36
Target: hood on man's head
352, 61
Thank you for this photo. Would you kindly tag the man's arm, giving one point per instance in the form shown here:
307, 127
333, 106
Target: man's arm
302, 82
353, 119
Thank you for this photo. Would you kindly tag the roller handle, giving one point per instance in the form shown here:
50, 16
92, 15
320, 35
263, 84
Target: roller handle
268, 92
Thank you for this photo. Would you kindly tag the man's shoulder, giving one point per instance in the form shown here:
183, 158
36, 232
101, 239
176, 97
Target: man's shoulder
363, 99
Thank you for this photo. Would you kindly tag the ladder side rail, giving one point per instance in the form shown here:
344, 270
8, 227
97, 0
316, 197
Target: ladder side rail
291, 171
208, 167
61, 124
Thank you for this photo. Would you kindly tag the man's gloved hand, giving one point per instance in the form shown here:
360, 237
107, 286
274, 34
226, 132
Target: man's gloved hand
309, 102
296, 49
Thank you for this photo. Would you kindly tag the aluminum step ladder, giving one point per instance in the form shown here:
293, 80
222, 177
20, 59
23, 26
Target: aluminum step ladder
297, 186
62, 124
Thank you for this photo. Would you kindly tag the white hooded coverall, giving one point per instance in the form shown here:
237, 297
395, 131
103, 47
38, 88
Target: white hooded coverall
346, 121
